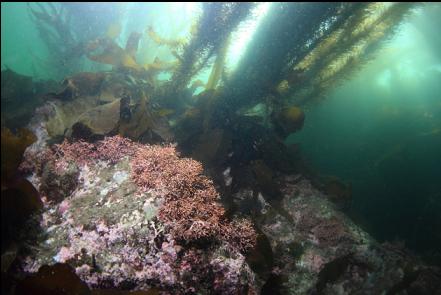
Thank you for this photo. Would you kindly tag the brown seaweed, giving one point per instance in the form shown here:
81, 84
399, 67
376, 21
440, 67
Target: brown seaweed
80, 84
112, 54
58, 279
162, 41
12, 149
132, 44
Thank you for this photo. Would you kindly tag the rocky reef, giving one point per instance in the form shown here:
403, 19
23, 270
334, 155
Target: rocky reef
129, 216
132, 216
316, 249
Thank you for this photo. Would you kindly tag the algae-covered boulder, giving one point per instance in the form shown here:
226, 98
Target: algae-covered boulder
318, 250
138, 217
100, 120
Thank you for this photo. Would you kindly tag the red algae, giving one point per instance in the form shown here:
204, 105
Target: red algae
140, 216
190, 205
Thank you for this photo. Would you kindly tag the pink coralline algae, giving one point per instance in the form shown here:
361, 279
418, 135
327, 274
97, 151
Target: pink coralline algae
190, 206
65, 254
110, 149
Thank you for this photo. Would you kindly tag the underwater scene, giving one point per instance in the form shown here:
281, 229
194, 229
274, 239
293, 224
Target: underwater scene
220, 148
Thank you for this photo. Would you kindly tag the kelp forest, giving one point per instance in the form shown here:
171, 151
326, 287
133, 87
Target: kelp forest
144, 160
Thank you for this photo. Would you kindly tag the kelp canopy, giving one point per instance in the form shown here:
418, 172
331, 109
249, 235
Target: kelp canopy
299, 51
297, 54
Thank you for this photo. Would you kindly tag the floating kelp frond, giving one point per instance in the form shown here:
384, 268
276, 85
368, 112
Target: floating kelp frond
330, 42
132, 44
114, 30
54, 29
159, 65
195, 85
162, 41
218, 66
288, 120
112, 54
52, 17
98, 121
65, 114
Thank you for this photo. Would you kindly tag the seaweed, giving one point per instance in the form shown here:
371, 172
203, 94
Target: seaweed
66, 28
132, 44
351, 44
218, 20
18, 98
12, 149
162, 41
108, 52
59, 278
53, 24
218, 66
281, 38
19, 199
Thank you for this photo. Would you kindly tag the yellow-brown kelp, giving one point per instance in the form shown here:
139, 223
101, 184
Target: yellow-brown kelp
172, 43
112, 54
107, 51
158, 65
218, 66
80, 84
281, 39
144, 121
344, 50
51, 22
306, 62
114, 30
218, 20
132, 44
288, 120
